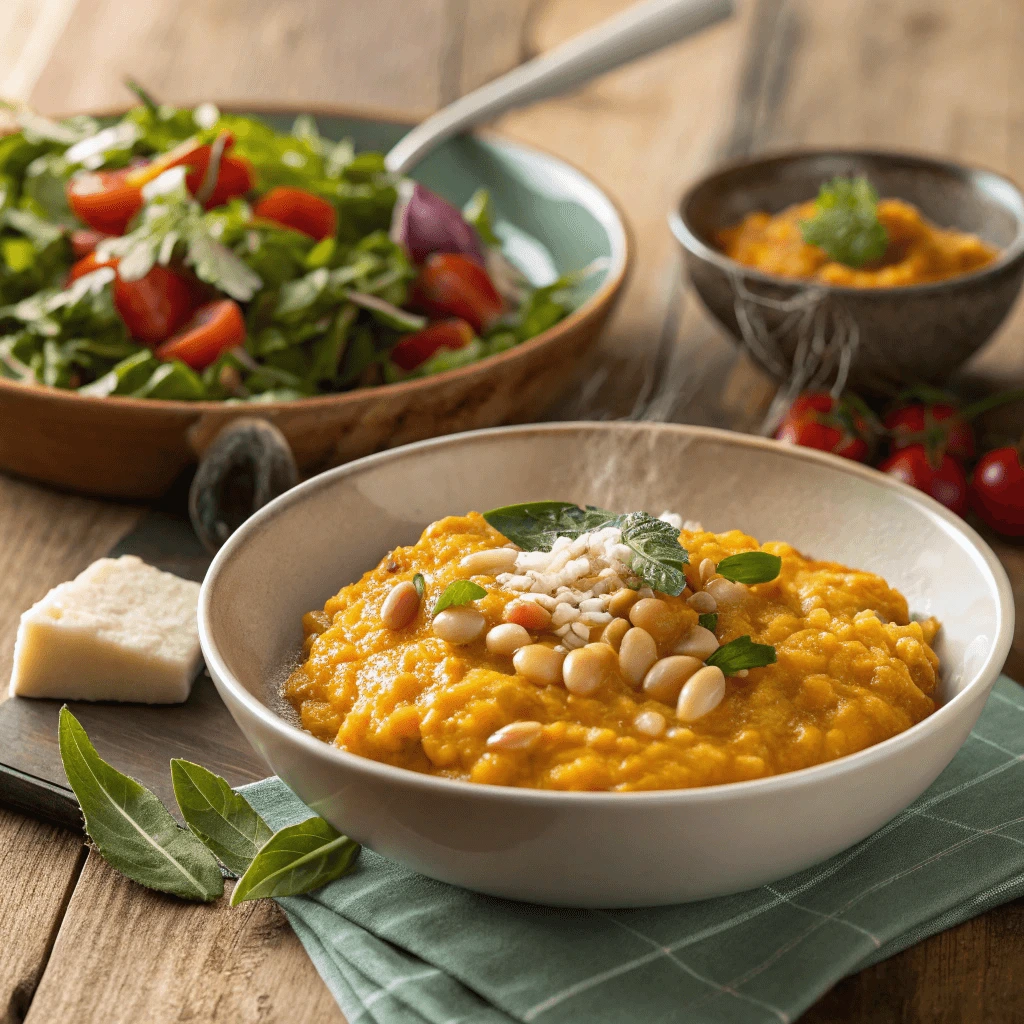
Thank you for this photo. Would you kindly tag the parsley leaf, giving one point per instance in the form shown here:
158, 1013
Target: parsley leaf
845, 223
741, 653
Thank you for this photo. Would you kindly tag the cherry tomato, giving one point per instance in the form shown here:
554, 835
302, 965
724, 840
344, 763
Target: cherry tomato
940, 426
417, 348
818, 420
214, 328
451, 284
105, 200
84, 241
300, 210
997, 491
153, 307
941, 477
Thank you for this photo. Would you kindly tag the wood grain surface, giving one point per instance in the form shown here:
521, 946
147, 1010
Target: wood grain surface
939, 76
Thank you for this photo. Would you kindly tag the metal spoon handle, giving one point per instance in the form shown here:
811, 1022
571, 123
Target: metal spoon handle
639, 30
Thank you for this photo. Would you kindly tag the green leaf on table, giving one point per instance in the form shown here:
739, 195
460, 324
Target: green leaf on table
458, 593
845, 222
297, 859
750, 567
709, 621
129, 825
223, 819
742, 653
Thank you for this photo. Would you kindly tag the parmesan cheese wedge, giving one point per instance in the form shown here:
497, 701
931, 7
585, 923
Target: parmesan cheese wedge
121, 630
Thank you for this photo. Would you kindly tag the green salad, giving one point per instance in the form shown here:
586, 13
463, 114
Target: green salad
190, 254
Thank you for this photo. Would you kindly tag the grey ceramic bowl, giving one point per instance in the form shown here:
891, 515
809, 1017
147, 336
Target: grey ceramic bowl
892, 336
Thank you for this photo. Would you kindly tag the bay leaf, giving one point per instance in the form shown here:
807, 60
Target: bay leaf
130, 827
297, 859
223, 819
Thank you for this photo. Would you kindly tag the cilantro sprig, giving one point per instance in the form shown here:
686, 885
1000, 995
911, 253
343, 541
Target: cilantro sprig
845, 222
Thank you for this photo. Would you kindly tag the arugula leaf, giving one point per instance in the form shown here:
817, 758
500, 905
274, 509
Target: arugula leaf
478, 213
458, 593
295, 860
741, 653
129, 825
709, 621
845, 223
223, 819
750, 567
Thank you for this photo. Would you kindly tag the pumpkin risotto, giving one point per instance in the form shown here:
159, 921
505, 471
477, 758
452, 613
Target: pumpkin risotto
609, 653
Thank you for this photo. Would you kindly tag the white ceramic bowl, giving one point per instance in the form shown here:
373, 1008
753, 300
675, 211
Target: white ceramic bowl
602, 849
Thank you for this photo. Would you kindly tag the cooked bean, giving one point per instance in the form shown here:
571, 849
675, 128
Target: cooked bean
702, 693
587, 668
725, 592
655, 616
637, 654
622, 600
666, 677
400, 606
702, 602
698, 643
528, 614
515, 736
489, 562
645, 592
707, 570
539, 664
506, 639
650, 723
614, 632
460, 625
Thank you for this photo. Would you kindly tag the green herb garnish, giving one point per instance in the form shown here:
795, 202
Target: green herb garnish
419, 583
750, 567
709, 621
458, 593
658, 558
742, 653
845, 223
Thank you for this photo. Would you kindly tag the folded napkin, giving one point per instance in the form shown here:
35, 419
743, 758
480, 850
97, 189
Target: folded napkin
397, 948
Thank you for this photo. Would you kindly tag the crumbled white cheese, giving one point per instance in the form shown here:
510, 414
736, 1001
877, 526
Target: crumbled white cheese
121, 630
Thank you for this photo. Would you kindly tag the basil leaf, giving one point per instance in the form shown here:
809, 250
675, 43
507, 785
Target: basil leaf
750, 567
742, 653
708, 621
129, 825
658, 557
220, 817
295, 860
536, 525
458, 593
419, 583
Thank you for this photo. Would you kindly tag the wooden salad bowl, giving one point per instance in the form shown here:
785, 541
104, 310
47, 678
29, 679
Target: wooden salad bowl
136, 448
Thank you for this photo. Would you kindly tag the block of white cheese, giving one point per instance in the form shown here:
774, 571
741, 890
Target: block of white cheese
121, 630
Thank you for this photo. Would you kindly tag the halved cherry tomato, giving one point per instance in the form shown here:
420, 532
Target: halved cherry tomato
817, 420
153, 307
938, 475
104, 200
937, 426
451, 284
85, 240
300, 210
417, 348
997, 491
214, 328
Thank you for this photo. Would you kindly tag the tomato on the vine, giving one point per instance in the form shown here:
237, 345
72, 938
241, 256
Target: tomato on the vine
817, 419
997, 491
938, 475
935, 425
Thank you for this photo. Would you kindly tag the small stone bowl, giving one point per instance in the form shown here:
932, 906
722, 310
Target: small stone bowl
879, 339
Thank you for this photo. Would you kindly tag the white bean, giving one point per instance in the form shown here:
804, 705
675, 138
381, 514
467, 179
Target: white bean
637, 653
698, 643
650, 723
665, 678
725, 592
703, 692
460, 625
506, 639
586, 669
655, 616
515, 736
541, 665
707, 570
702, 602
400, 606
489, 562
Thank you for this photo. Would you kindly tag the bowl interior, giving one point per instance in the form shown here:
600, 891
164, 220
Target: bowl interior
291, 556
974, 200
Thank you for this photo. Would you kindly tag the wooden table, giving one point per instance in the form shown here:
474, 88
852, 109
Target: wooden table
78, 941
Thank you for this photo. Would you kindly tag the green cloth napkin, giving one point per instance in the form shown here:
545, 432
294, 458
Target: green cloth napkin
397, 948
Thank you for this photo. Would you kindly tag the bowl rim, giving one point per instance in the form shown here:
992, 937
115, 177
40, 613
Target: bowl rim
983, 678
620, 262
687, 236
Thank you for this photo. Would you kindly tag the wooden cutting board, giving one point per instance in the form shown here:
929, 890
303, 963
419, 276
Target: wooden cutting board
137, 739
